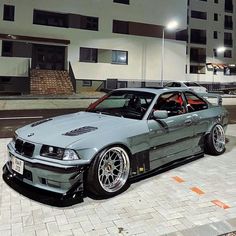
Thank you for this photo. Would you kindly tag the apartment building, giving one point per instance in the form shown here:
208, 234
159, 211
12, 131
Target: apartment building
100, 43
211, 26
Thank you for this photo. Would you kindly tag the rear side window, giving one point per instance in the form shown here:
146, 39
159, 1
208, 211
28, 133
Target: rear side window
195, 103
192, 84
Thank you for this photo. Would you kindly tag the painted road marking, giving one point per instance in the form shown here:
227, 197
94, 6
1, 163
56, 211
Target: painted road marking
178, 179
21, 117
197, 190
220, 204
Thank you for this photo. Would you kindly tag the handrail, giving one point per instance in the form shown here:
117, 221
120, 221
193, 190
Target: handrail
72, 77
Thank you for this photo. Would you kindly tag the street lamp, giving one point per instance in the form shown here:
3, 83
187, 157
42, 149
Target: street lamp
172, 25
220, 49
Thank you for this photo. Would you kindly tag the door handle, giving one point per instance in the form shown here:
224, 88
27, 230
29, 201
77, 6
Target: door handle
188, 122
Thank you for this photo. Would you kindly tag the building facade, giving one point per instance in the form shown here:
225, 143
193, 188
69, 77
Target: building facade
211, 26
116, 41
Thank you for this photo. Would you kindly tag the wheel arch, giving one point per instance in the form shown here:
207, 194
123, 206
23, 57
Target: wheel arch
119, 144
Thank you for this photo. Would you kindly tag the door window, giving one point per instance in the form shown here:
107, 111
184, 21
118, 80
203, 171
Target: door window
171, 102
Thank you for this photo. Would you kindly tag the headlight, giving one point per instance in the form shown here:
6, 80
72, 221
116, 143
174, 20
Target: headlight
58, 153
70, 155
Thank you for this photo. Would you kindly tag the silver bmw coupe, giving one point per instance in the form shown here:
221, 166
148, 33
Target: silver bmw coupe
125, 134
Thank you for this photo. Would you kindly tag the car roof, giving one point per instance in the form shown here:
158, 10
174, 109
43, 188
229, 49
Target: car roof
156, 90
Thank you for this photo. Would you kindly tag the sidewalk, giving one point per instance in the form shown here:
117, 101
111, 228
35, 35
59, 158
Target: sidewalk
48, 102
159, 205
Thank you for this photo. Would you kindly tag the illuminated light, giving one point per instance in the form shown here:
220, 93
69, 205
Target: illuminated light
50, 149
220, 49
172, 25
232, 65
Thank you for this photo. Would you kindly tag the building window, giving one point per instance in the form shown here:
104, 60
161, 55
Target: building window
122, 1
88, 55
198, 36
121, 27
50, 19
228, 22
87, 83
197, 69
198, 55
65, 20
215, 52
228, 41
215, 17
119, 57
216, 1
199, 15
7, 48
9, 13
228, 53
229, 6
89, 23
215, 35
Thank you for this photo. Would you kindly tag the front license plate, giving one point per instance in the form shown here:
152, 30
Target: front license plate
17, 165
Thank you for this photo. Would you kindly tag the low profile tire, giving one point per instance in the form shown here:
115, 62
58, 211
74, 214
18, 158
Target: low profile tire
109, 172
215, 141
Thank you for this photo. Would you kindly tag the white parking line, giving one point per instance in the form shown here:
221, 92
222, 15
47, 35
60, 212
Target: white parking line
21, 117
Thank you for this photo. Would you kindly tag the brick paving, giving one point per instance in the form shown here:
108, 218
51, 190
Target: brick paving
164, 204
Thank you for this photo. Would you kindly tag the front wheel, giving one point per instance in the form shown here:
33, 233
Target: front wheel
215, 141
109, 172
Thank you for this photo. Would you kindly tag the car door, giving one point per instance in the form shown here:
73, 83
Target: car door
170, 138
197, 107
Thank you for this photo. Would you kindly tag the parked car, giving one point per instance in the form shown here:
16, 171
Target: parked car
125, 134
190, 85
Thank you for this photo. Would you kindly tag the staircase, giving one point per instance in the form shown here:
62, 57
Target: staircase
50, 82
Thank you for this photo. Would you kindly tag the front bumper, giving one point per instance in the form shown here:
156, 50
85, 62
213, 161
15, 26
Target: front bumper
50, 183
71, 197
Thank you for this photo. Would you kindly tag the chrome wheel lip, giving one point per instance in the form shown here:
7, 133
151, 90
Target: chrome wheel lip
113, 169
219, 138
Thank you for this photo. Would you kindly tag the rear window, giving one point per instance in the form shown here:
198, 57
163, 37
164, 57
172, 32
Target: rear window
192, 84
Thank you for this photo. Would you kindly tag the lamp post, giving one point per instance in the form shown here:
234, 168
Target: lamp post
172, 25
217, 50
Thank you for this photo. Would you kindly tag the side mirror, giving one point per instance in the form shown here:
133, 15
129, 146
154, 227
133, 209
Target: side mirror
159, 115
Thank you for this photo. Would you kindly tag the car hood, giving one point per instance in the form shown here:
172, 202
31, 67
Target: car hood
64, 130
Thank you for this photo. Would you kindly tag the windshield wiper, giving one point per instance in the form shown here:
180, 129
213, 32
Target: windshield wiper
108, 113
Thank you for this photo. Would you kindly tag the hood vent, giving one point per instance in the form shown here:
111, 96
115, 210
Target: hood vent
40, 122
79, 131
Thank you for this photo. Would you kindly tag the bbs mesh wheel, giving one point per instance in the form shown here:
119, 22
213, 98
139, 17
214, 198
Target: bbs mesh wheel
109, 172
215, 141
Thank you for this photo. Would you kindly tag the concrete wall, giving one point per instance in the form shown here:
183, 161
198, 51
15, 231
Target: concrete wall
14, 66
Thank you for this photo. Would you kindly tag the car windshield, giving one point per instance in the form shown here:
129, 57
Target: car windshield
123, 103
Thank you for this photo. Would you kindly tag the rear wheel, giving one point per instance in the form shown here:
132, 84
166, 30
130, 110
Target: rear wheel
215, 141
109, 172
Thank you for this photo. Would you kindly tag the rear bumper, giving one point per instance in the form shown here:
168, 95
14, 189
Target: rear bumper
73, 196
